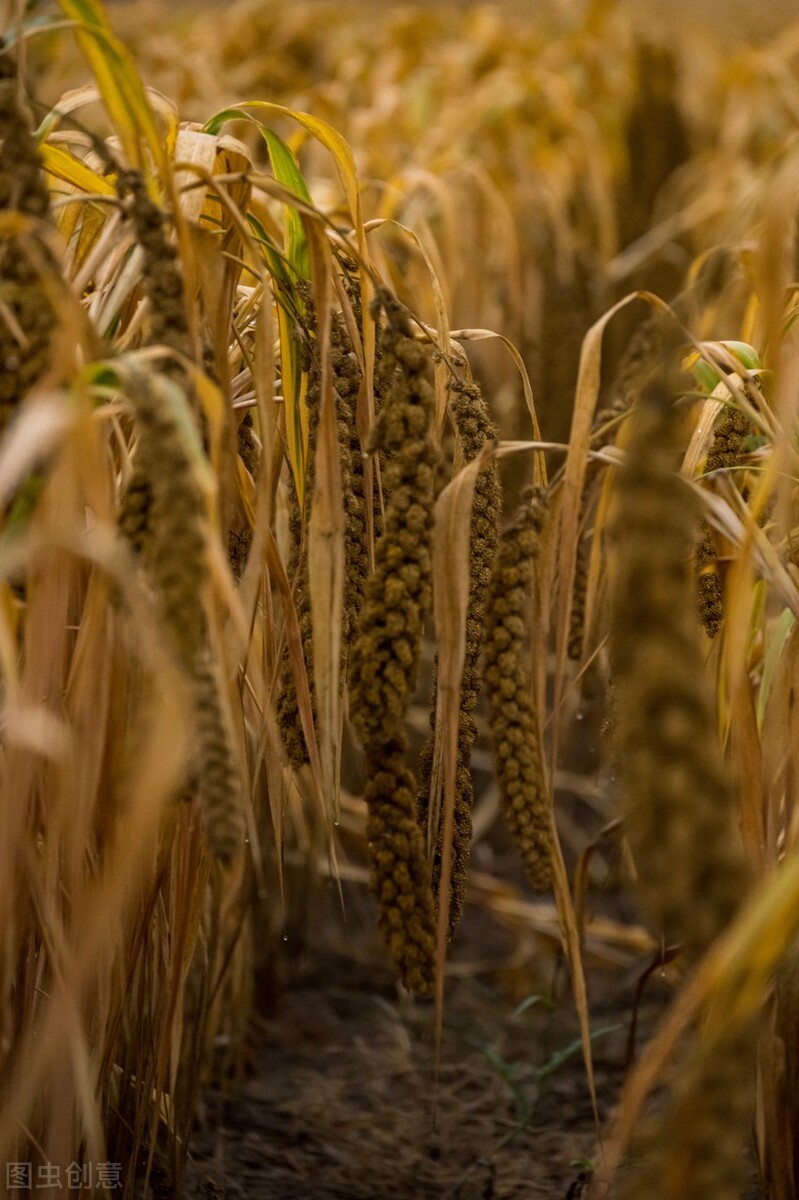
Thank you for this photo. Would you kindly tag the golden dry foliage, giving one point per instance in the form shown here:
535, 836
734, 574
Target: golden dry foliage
347, 379
288, 711
513, 719
695, 1143
113, 661
631, 374
173, 719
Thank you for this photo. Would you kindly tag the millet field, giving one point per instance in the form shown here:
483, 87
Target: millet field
399, 600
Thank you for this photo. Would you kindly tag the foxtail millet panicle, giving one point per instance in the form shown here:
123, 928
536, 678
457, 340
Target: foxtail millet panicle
161, 275
135, 505
398, 592
513, 719
568, 310
400, 873
219, 781
475, 430
175, 541
576, 640
679, 805
22, 183
651, 156
724, 453
249, 447
347, 387
240, 534
22, 291
239, 542
168, 326
174, 558
385, 654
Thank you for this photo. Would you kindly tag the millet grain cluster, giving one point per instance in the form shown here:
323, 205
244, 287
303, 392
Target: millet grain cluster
725, 453
679, 806
163, 286
22, 292
475, 430
347, 385
248, 448
512, 716
163, 515
176, 564
385, 654
162, 277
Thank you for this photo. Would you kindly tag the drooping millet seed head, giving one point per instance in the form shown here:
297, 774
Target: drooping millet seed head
22, 183
400, 874
679, 804
385, 654
398, 594
347, 386
220, 782
475, 430
173, 555
162, 276
512, 713
175, 541
725, 453
23, 293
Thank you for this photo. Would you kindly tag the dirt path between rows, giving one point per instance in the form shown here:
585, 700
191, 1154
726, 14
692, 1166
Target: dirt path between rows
345, 1102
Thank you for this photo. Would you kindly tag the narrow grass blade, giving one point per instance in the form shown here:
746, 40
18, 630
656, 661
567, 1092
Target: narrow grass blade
118, 80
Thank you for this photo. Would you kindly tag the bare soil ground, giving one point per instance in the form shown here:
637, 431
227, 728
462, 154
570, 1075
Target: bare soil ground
347, 1102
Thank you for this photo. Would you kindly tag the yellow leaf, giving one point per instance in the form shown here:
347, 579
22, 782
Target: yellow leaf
119, 83
63, 165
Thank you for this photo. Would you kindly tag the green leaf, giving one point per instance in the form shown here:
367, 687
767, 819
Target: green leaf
287, 171
707, 375
285, 270
562, 1056
330, 138
531, 1002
